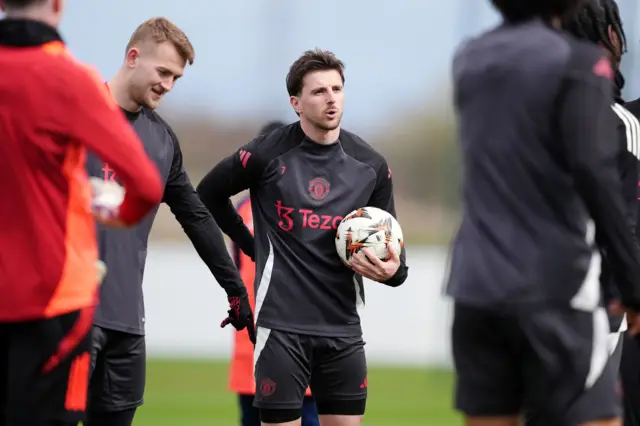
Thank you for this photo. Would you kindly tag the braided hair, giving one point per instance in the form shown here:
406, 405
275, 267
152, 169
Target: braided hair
592, 23
523, 10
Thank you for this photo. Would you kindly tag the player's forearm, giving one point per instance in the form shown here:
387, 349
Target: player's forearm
205, 235
231, 223
215, 197
207, 239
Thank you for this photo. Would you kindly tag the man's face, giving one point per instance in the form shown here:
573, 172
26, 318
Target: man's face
322, 99
155, 68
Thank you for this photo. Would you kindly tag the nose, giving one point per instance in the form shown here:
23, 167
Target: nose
331, 97
167, 84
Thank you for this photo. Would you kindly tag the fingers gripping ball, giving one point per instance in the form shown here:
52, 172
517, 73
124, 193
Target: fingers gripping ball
369, 227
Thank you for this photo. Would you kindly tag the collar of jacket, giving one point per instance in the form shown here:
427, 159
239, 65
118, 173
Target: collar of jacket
26, 33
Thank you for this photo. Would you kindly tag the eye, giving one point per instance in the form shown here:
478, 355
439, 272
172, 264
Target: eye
164, 73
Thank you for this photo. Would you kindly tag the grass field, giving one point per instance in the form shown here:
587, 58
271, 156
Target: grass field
194, 393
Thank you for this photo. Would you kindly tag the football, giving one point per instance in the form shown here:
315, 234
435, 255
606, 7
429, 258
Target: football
369, 227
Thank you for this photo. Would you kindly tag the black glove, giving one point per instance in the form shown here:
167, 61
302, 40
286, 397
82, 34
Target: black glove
241, 315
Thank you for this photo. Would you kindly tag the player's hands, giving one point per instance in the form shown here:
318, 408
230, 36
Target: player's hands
106, 201
369, 266
241, 315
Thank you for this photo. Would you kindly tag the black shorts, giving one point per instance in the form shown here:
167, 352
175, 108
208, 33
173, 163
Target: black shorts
287, 363
543, 362
44, 369
593, 397
118, 371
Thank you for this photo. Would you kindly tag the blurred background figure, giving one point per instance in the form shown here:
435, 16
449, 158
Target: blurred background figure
241, 377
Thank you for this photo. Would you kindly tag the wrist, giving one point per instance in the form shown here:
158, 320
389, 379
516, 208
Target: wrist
240, 292
398, 277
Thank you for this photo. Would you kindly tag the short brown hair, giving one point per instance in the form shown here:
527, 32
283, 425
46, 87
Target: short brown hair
310, 61
160, 30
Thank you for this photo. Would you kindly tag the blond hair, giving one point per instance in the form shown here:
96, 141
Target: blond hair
161, 30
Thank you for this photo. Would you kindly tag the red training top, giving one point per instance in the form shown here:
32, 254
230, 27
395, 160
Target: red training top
51, 109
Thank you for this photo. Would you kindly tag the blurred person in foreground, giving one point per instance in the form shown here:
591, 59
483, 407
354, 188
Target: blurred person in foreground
52, 108
630, 362
155, 58
530, 330
241, 380
598, 22
303, 178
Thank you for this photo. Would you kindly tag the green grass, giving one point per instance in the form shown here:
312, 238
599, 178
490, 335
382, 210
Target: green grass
194, 393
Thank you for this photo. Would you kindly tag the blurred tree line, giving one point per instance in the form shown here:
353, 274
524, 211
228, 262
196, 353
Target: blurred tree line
420, 148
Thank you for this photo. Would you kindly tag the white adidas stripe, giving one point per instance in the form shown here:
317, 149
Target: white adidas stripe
632, 127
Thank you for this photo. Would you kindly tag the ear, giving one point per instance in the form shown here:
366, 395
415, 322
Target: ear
615, 41
295, 103
132, 57
57, 6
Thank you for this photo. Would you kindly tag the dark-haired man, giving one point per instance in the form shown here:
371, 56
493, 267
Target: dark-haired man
241, 378
309, 329
540, 185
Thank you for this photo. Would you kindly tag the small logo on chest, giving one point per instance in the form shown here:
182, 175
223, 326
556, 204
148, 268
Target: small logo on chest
319, 188
108, 173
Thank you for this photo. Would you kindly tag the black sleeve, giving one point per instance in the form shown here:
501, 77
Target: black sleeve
628, 170
587, 131
382, 198
629, 175
199, 226
234, 174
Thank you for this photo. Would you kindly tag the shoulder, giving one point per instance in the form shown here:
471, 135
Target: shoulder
520, 53
356, 147
586, 59
532, 40
626, 112
633, 107
66, 73
155, 118
274, 144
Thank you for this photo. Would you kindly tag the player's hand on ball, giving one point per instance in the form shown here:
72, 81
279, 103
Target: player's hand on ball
369, 266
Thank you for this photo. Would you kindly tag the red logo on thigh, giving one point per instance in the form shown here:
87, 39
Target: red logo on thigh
267, 387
